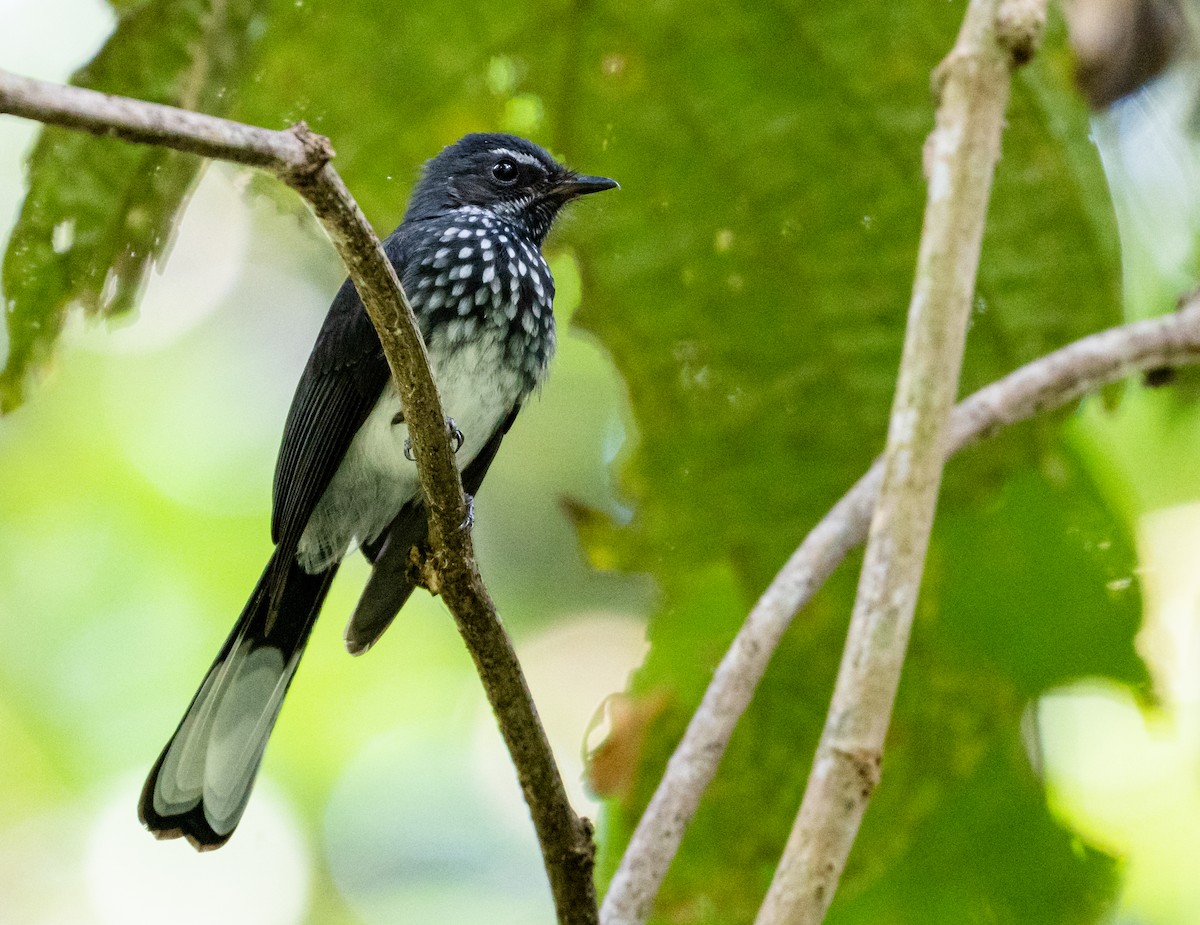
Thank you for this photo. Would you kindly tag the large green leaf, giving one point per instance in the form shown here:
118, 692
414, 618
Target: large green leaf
755, 309
750, 282
100, 212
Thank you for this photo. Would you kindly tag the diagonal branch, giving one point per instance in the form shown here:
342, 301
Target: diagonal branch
961, 154
1050, 382
301, 159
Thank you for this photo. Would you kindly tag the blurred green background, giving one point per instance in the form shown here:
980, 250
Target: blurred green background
731, 323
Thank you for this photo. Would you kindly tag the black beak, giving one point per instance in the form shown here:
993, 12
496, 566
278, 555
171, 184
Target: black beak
581, 186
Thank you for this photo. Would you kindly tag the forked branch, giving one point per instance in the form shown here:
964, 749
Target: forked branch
1047, 383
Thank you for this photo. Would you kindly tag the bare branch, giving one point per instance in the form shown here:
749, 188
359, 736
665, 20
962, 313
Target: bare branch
961, 154
151, 123
300, 159
1045, 384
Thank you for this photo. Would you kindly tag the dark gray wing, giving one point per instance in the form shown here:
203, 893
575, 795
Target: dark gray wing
389, 585
345, 375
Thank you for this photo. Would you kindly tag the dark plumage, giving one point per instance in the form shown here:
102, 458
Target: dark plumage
469, 256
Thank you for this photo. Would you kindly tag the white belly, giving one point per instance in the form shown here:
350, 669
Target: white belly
375, 478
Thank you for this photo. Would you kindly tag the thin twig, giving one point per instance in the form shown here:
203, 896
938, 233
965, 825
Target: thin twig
961, 154
1047, 383
301, 159
152, 123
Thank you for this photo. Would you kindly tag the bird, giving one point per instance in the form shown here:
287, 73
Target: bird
468, 254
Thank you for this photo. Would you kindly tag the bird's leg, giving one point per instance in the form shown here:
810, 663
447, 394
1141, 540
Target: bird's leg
456, 436
398, 418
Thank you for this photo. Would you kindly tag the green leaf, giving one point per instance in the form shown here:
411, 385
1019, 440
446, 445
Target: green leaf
753, 298
750, 282
100, 212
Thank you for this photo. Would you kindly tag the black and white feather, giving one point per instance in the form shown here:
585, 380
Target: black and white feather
469, 256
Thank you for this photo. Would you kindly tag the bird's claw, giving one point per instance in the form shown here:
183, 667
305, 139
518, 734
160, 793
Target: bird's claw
456, 435
470, 521
456, 439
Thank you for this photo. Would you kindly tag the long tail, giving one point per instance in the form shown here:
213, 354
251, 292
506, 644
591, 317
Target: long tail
201, 782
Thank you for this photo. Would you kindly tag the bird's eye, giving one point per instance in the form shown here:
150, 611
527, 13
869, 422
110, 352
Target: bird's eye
505, 171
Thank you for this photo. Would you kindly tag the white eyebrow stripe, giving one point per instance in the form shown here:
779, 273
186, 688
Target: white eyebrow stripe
520, 156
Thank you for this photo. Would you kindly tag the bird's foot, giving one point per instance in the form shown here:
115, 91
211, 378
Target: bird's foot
456, 438
470, 521
456, 435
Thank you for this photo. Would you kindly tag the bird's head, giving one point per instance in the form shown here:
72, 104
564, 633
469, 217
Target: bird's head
513, 178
